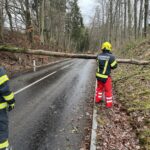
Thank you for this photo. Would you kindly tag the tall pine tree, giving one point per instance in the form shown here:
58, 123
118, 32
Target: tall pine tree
75, 27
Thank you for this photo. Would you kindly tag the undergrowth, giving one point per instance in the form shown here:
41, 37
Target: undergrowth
132, 85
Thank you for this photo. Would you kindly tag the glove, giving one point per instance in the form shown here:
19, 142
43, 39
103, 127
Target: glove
11, 107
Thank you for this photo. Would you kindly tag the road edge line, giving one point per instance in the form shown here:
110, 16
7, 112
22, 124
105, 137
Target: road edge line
51, 63
37, 81
94, 125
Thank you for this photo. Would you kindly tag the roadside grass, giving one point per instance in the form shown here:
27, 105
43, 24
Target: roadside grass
139, 49
132, 85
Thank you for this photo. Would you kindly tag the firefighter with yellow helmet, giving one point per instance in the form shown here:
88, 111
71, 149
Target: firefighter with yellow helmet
7, 103
106, 61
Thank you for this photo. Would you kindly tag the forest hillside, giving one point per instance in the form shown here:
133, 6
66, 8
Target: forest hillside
132, 84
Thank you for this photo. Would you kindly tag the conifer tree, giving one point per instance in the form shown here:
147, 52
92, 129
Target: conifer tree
75, 27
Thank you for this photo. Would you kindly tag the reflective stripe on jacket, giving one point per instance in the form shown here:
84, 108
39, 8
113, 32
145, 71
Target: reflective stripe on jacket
6, 96
106, 61
4, 144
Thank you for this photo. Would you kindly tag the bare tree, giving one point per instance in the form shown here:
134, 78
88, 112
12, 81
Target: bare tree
129, 18
9, 15
29, 27
140, 18
1, 19
146, 17
111, 17
120, 21
135, 18
125, 18
42, 21
50, 21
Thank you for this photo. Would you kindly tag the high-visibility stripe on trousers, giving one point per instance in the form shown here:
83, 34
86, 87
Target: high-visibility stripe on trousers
98, 96
107, 89
3, 129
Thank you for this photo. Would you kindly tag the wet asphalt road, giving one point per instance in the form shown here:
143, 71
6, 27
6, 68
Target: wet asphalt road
51, 114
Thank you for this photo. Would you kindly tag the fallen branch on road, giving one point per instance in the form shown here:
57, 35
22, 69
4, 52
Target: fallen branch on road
67, 55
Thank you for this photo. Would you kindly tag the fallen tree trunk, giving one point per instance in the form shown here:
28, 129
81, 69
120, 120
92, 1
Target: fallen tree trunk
134, 61
68, 55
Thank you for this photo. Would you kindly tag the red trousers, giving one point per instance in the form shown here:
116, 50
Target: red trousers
107, 89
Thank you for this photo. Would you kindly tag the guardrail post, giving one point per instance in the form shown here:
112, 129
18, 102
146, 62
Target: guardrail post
34, 65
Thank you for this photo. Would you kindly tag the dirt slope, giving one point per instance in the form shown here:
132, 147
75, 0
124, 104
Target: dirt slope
17, 63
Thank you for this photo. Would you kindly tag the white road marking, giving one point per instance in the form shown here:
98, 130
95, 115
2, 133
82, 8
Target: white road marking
26, 87
65, 67
40, 80
94, 126
52, 63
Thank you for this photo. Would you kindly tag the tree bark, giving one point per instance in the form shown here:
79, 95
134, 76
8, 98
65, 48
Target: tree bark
1, 20
9, 15
42, 21
29, 27
140, 18
146, 17
134, 61
129, 18
135, 19
125, 18
110, 22
68, 55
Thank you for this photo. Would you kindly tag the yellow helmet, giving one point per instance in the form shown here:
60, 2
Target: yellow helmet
107, 46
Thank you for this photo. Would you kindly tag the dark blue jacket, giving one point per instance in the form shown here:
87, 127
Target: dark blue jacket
106, 61
6, 96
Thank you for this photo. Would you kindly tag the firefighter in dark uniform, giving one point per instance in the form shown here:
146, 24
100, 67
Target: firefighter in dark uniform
7, 103
106, 61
